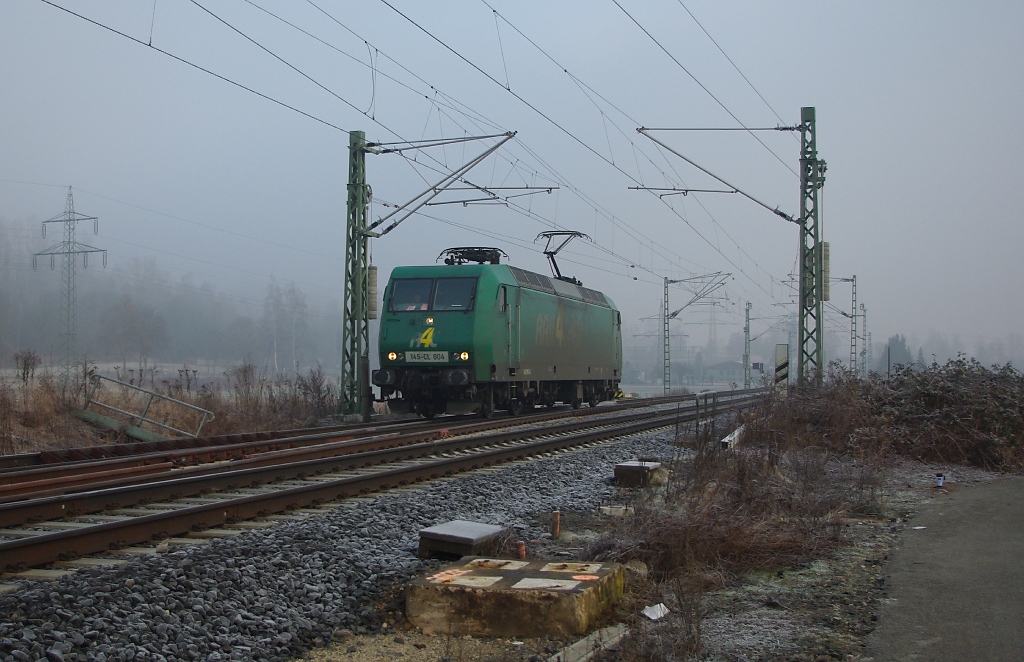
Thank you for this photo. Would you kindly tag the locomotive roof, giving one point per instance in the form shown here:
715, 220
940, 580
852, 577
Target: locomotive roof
509, 275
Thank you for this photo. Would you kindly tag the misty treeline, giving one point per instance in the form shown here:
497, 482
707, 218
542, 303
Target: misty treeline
138, 320
693, 355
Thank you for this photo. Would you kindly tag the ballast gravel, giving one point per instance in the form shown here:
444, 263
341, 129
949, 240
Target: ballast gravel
274, 594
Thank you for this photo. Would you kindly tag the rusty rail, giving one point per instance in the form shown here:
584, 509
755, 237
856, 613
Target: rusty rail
49, 547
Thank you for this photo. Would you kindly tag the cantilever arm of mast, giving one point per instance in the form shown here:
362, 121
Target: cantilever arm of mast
775, 210
680, 191
492, 198
426, 196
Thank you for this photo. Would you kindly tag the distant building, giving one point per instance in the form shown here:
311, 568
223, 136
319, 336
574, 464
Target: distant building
725, 372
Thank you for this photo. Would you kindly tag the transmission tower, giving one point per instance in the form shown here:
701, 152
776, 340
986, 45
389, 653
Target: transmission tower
68, 249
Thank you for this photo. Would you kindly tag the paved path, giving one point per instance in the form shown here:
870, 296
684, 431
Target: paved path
956, 587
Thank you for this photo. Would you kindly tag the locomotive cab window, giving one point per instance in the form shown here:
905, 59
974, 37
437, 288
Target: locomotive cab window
454, 294
411, 294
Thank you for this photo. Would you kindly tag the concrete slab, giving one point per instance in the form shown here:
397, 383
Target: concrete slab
20, 533
458, 538
635, 474
41, 574
249, 525
509, 598
177, 542
215, 533
588, 647
61, 525
90, 562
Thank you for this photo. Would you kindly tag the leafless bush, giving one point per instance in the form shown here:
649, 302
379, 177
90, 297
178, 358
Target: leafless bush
960, 412
7, 408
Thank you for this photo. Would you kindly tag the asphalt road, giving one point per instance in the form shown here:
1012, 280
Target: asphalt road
956, 586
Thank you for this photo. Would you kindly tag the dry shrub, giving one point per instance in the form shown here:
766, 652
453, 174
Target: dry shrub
7, 407
726, 512
42, 417
960, 412
257, 401
732, 511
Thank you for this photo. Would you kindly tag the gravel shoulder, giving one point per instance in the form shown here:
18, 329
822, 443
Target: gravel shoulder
825, 609
327, 588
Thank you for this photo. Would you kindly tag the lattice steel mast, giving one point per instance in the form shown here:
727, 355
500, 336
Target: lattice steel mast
746, 348
355, 384
810, 340
68, 249
853, 330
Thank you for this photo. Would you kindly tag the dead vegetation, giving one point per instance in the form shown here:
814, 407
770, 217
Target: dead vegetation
36, 413
959, 412
807, 463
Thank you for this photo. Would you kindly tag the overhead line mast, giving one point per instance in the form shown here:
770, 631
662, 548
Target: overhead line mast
360, 304
810, 335
812, 253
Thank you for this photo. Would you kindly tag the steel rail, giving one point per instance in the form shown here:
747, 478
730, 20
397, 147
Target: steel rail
208, 445
242, 445
49, 547
332, 446
268, 468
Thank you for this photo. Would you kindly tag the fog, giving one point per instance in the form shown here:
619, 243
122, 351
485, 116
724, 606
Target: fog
210, 139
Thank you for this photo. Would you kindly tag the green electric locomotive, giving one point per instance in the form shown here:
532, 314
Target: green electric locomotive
463, 338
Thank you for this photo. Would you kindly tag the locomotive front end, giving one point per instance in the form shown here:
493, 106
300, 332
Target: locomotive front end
427, 351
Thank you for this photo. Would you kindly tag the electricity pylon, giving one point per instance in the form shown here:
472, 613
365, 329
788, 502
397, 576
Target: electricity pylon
68, 249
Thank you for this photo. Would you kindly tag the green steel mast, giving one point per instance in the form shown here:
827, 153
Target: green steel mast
355, 326
811, 348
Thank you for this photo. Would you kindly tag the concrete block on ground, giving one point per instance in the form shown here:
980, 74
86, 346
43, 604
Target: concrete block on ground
511, 598
637, 473
452, 540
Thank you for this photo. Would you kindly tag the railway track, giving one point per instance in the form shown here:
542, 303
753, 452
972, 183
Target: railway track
39, 526
76, 469
214, 447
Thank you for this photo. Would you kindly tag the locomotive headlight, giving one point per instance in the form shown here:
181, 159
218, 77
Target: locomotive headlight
464, 356
392, 356
429, 320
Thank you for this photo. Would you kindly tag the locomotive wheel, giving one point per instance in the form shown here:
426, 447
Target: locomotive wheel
593, 400
486, 408
576, 403
515, 407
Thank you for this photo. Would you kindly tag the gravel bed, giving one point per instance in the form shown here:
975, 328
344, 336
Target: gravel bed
276, 593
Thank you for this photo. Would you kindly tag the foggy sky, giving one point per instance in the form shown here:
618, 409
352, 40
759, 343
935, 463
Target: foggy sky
917, 109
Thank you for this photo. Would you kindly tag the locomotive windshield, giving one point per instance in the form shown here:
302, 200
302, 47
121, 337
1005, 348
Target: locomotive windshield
454, 293
418, 294
411, 293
